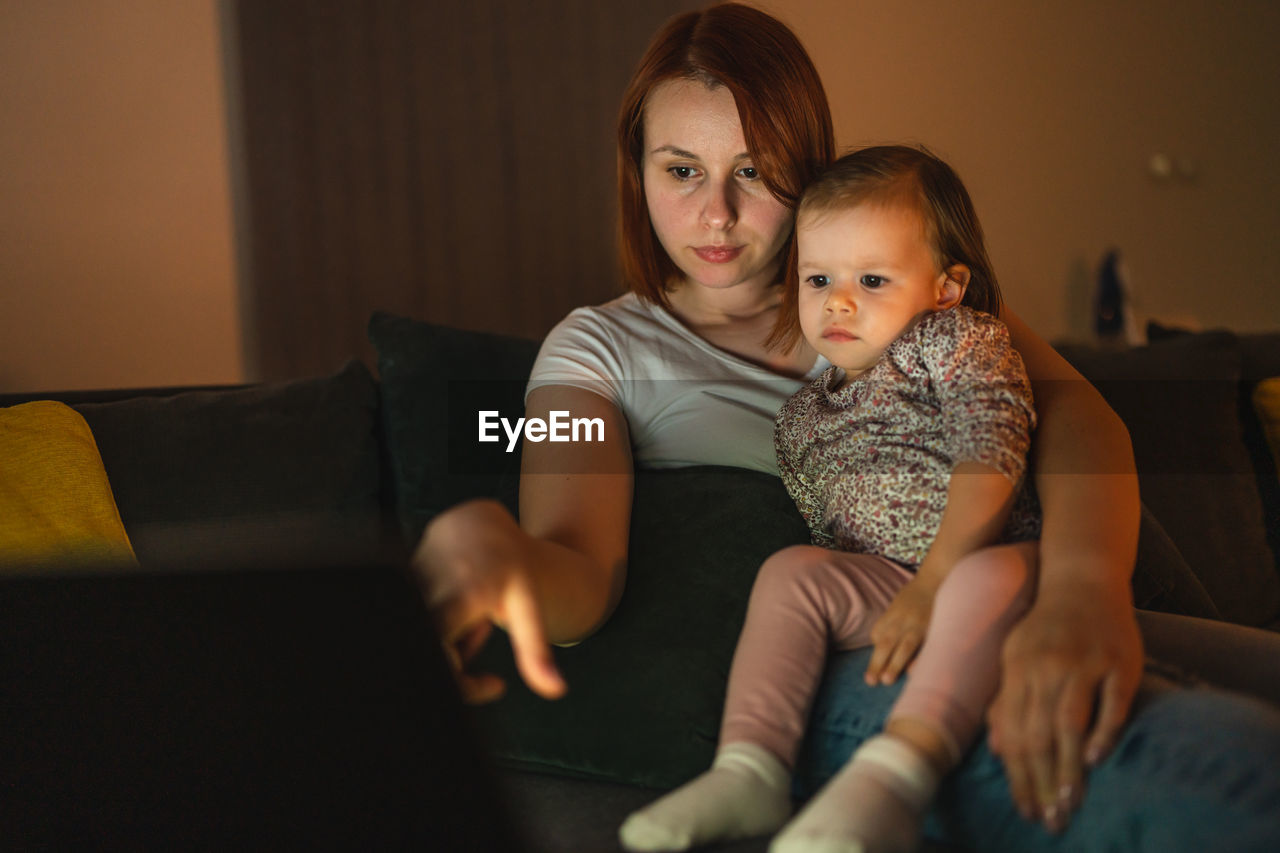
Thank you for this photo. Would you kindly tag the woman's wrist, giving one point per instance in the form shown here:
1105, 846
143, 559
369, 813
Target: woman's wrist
1087, 583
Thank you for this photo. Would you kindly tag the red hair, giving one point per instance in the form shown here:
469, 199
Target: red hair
783, 109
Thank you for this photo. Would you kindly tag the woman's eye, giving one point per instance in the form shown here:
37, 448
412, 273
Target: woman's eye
749, 172
871, 281
818, 280
682, 173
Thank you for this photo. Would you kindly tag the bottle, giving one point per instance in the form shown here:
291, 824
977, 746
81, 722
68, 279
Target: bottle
1110, 300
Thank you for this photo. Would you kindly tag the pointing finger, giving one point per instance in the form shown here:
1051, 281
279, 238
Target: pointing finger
529, 641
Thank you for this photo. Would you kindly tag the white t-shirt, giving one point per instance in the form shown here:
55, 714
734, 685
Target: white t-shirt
686, 402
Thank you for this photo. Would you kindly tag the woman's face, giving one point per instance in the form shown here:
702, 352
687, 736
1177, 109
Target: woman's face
713, 214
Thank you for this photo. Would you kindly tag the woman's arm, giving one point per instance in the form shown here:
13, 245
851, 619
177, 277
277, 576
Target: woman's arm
557, 575
1071, 667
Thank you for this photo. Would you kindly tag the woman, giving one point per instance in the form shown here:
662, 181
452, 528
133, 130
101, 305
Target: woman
723, 124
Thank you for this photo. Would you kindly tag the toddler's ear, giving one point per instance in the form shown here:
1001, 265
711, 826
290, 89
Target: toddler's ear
955, 281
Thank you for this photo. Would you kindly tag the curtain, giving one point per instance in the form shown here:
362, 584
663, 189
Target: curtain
450, 161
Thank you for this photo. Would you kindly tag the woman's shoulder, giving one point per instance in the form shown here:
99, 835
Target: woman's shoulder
615, 340
632, 338
620, 321
622, 312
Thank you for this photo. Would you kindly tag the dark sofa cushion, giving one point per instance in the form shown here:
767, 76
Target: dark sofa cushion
1179, 399
1162, 580
646, 691
433, 381
268, 472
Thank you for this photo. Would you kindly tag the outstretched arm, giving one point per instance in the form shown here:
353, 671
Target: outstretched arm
1078, 649
553, 578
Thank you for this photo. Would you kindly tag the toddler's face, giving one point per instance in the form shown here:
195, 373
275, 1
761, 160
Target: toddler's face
867, 275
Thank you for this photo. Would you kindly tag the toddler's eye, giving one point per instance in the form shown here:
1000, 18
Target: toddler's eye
871, 281
818, 280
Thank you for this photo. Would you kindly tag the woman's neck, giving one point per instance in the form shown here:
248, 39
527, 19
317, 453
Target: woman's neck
737, 320
743, 304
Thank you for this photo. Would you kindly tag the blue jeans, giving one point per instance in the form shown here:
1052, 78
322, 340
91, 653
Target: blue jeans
1196, 769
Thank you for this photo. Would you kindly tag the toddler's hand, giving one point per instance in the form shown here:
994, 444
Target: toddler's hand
899, 632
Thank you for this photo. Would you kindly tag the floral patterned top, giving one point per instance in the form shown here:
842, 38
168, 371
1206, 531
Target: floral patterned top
869, 464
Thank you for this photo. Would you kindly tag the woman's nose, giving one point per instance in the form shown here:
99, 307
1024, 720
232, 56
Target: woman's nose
719, 211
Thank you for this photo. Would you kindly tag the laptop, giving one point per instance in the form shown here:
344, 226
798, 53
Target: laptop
235, 708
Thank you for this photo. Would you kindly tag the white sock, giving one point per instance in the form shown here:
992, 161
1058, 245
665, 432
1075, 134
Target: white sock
746, 792
874, 805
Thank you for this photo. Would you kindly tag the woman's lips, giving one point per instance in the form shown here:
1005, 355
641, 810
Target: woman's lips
717, 254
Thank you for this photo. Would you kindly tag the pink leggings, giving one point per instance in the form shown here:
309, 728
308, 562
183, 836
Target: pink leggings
807, 600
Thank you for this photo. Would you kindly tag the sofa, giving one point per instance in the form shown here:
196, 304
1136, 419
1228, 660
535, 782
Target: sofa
346, 469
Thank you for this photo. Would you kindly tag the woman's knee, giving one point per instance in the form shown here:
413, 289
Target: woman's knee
1217, 745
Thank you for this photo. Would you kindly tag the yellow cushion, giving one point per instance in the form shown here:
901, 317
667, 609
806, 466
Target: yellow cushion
56, 505
1266, 400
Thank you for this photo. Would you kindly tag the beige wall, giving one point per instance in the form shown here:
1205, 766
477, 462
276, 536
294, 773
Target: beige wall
116, 264
1052, 111
116, 256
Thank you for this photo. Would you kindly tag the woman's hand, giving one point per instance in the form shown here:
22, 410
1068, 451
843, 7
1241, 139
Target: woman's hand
899, 632
553, 578
1070, 670
473, 560
1072, 666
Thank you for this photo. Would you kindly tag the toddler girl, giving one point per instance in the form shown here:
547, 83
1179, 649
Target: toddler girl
907, 458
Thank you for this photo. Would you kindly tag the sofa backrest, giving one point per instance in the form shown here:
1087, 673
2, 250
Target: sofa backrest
260, 474
1204, 467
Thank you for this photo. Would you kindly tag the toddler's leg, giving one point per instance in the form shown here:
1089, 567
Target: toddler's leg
876, 803
805, 599
955, 677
